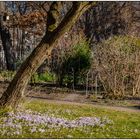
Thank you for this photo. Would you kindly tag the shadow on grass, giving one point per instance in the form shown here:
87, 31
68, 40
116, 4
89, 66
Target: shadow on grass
136, 107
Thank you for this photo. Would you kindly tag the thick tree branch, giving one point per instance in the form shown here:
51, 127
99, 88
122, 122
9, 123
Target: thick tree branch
70, 18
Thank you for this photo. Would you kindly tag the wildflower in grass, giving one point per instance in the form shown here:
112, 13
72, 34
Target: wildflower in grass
33, 129
34, 122
41, 130
17, 132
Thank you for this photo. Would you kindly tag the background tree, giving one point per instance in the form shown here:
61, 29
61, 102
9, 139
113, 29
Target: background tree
26, 22
6, 39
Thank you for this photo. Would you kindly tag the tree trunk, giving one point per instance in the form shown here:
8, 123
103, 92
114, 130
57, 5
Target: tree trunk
11, 97
7, 47
60, 79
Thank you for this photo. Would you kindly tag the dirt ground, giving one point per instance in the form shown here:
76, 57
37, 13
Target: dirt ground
55, 94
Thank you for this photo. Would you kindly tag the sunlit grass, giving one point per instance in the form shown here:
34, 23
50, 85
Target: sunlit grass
124, 124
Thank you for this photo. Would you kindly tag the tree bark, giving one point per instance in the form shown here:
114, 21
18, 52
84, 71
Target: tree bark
11, 97
7, 47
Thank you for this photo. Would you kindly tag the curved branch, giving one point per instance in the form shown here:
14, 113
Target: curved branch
53, 16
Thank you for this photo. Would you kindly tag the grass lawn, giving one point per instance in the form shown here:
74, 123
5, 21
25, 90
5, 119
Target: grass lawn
118, 125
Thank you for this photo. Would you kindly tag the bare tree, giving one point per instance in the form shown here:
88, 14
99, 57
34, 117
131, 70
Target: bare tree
117, 63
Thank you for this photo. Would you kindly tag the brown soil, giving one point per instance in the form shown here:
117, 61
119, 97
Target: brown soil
51, 94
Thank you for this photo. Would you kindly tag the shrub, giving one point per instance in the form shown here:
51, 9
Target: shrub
43, 77
117, 62
46, 77
74, 63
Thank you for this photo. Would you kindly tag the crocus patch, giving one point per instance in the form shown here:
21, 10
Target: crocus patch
34, 122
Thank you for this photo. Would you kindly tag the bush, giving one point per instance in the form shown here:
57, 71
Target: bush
43, 77
46, 77
74, 63
117, 62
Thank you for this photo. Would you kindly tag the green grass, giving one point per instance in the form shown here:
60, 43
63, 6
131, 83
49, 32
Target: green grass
7, 75
46, 77
43, 77
125, 125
